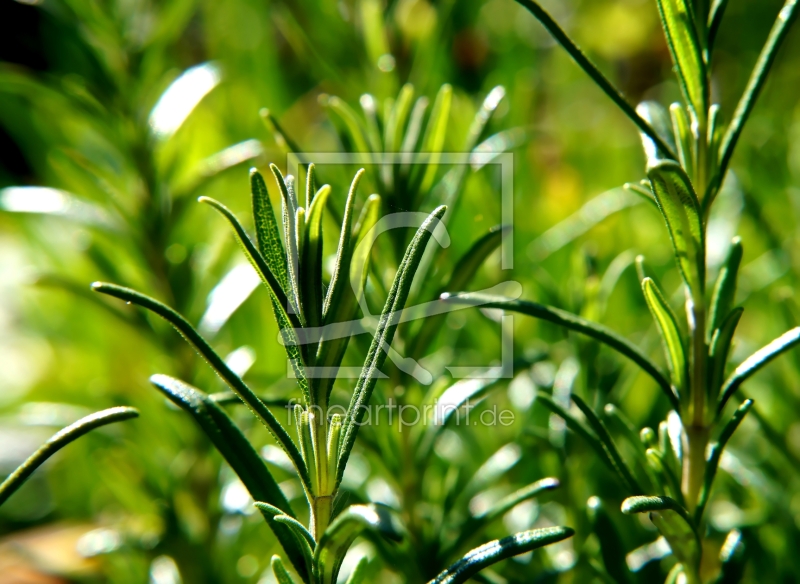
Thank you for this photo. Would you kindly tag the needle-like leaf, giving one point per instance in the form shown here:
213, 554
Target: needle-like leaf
755, 362
463, 272
681, 210
575, 323
714, 20
602, 433
683, 137
674, 523
670, 335
723, 296
375, 520
678, 22
281, 573
312, 259
583, 61
237, 451
714, 454
216, 362
288, 322
719, 349
497, 550
389, 319
59, 440
756, 82
268, 234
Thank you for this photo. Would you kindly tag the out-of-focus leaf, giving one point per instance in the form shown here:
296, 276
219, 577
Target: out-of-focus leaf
612, 548
181, 97
584, 63
602, 433
463, 272
281, 573
435, 133
755, 362
354, 521
576, 323
714, 454
497, 550
719, 349
754, 85
590, 214
724, 293
732, 558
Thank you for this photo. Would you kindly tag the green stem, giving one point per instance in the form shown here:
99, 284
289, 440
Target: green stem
694, 463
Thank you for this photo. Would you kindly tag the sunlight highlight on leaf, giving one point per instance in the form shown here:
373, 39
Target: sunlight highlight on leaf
181, 97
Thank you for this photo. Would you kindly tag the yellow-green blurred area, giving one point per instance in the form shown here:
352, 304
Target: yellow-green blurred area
116, 115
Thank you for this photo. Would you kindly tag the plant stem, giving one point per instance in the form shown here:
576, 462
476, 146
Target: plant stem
694, 463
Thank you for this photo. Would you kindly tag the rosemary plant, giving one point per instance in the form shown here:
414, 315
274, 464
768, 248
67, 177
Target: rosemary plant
688, 154
288, 260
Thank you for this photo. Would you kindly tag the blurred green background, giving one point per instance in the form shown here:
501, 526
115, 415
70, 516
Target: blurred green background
149, 500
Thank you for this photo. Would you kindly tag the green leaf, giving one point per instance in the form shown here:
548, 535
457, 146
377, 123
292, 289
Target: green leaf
755, 362
252, 254
602, 433
679, 28
354, 521
612, 548
497, 550
584, 63
670, 336
584, 432
724, 293
288, 322
312, 259
216, 362
435, 133
397, 119
719, 348
673, 522
237, 451
344, 254
356, 132
387, 325
714, 20
754, 85
575, 323
714, 454
268, 234
281, 573
282, 139
359, 572
683, 137
330, 351
462, 274
681, 210
510, 501
298, 528
58, 441
289, 212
